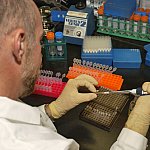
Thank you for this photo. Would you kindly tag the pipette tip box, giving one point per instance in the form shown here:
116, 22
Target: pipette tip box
126, 58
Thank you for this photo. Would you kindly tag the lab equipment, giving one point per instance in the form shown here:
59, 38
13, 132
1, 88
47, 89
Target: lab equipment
119, 8
54, 47
137, 91
97, 49
102, 73
122, 25
50, 38
59, 39
105, 109
144, 24
127, 27
48, 85
126, 58
78, 23
58, 15
136, 23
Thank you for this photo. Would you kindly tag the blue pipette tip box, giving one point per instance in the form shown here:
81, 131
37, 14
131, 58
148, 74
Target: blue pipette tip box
126, 58
100, 57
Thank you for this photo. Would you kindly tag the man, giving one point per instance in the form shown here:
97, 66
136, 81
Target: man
24, 127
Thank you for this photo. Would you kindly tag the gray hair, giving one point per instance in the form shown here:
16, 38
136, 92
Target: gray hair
18, 14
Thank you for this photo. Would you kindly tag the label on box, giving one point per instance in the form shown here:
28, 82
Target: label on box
75, 27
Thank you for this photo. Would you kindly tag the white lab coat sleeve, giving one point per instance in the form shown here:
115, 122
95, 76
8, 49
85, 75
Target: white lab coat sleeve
130, 140
67, 144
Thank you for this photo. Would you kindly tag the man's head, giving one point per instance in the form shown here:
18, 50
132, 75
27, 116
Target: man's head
21, 31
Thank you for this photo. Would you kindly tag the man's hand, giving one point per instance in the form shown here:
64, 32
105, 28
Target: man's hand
70, 97
139, 118
146, 87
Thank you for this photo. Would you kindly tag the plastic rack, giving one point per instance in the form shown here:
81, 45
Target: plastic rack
122, 28
46, 46
102, 73
49, 86
105, 109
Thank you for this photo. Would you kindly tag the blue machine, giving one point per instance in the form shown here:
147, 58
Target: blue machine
58, 15
78, 24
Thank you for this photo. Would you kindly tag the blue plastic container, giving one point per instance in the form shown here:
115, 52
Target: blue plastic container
148, 56
104, 58
147, 62
58, 15
120, 8
147, 48
126, 58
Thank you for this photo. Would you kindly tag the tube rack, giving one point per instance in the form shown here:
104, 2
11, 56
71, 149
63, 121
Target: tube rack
105, 109
123, 28
49, 86
102, 73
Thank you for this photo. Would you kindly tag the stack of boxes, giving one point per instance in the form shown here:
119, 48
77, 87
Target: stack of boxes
98, 49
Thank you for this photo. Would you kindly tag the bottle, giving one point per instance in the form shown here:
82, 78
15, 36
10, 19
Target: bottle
115, 24
108, 24
144, 24
121, 25
128, 27
59, 39
50, 39
136, 23
101, 17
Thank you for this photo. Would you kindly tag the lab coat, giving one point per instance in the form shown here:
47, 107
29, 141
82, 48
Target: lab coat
130, 140
23, 127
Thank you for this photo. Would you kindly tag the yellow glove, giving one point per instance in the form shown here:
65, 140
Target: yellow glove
70, 97
146, 87
139, 119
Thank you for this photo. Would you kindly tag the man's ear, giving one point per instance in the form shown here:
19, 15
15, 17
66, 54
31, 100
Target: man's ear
18, 44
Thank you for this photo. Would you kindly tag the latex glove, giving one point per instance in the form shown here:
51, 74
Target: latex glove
146, 87
70, 97
139, 118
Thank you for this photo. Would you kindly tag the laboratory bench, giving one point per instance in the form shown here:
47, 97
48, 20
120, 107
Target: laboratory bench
70, 125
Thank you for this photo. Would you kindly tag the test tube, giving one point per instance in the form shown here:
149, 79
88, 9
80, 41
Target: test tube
144, 21
101, 16
115, 23
50, 39
108, 22
136, 23
128, 26
59, 39
122, 25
